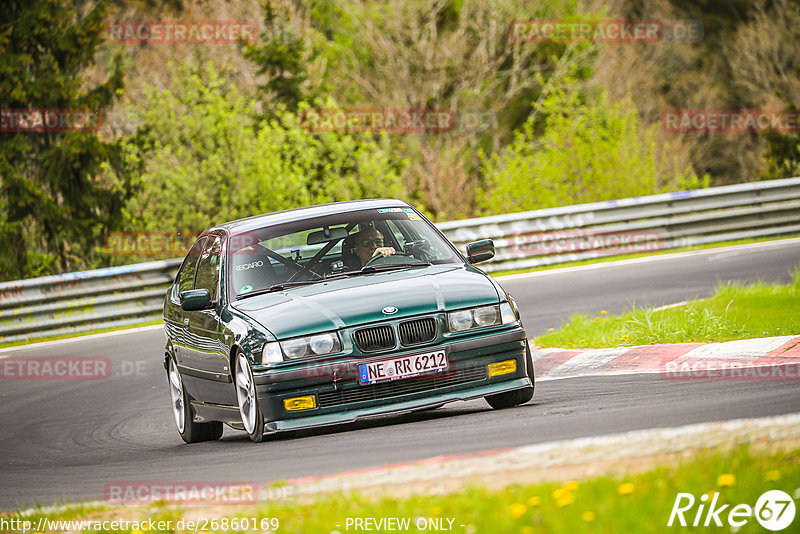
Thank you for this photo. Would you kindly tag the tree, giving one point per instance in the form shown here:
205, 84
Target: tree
55, 205
590, 151
281, 57
207, 158
450, 55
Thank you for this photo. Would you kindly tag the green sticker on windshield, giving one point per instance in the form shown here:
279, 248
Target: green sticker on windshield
245, 289
408, 210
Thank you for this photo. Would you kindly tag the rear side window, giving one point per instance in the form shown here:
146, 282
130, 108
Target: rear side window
186, 275
208, 268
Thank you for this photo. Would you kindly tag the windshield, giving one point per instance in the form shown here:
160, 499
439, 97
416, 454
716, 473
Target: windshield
278, 256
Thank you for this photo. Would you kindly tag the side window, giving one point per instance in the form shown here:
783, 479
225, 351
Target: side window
398, 234
208, 268
186, 276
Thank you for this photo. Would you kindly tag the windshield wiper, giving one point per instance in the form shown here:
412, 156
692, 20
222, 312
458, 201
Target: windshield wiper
278, 287
393, 266
380, 268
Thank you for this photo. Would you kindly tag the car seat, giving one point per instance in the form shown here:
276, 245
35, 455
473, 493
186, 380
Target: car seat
349, 258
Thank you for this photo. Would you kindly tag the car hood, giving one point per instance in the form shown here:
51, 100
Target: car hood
360, 299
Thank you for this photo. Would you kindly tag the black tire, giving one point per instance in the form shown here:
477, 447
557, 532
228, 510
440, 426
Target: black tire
192, 432
247, 398
518, 396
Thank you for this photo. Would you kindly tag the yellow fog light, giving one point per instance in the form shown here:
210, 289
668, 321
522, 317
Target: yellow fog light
502, 368
300, 403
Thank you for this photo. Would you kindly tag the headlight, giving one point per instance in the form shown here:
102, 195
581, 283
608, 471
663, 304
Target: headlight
316, 345
271, 353
485, 316
461, 320
295, 348
322, 344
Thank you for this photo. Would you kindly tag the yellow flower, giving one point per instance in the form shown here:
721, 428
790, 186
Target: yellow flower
136, 532
517, 509
625, 489
725, 481
566, 500
436, 510
571, 485
560, 493
604, 312
534, 501
588, 516
773, 475
550, 329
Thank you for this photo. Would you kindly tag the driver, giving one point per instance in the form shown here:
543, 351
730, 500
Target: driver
369, 243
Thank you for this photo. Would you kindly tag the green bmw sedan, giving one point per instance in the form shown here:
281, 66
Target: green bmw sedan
322, 315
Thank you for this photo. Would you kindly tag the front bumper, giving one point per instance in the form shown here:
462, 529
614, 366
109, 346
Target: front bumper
341, 398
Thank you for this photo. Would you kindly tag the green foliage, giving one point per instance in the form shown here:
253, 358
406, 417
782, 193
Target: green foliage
280, 56
54, 206
588, 151
206, 159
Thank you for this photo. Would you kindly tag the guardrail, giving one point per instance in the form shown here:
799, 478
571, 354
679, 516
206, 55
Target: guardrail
87, 300
119, 296
643, 224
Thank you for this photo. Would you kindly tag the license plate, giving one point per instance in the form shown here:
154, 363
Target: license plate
405, 367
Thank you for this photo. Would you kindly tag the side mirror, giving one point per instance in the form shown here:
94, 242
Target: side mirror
482, 250
195, 299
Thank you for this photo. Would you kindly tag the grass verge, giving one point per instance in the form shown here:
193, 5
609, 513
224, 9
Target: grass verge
735, 311
640, 502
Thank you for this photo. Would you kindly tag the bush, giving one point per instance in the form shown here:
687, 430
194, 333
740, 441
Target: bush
584, 149
203, 157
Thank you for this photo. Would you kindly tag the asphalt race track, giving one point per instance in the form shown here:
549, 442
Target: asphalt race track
66, 440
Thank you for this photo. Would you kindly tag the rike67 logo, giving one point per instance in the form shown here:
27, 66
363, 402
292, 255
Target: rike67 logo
774, 510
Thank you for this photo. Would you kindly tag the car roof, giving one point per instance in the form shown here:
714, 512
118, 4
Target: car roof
297, 214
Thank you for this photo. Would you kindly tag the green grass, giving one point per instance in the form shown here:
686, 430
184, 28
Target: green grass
638, 503
607, 259
735, 311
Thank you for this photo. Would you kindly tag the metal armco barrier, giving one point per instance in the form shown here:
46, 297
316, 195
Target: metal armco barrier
87, 300
119, 296
634, 225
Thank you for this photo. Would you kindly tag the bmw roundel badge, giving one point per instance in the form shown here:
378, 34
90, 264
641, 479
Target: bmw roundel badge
389, 310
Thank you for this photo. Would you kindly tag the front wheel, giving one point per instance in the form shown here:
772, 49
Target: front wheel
516, 397
249, 409
190, 431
